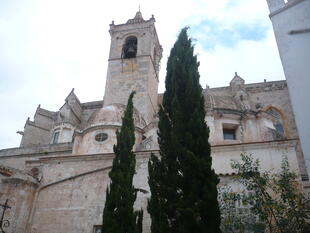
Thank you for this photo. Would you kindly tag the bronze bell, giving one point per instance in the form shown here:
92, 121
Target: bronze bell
131, 52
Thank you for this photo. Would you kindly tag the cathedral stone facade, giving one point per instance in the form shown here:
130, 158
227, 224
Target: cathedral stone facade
55, 181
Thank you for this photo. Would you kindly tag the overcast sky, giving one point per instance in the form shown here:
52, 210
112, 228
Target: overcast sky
48, 47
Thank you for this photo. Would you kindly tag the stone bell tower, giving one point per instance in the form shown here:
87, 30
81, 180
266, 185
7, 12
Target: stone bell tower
134, 60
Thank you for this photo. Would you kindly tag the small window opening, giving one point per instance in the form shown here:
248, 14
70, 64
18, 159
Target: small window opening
229, 134
130, 47
100, 137
56, 137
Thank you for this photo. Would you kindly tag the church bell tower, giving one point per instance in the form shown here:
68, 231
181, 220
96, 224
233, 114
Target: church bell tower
134, 59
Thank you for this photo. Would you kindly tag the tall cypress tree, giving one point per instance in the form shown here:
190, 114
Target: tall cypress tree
182, 182
118, 214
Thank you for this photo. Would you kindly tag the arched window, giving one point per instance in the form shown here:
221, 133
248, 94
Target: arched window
130, 47
56, 137
276, 118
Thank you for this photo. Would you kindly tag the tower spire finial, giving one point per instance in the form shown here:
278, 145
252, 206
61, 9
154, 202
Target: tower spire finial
139, 7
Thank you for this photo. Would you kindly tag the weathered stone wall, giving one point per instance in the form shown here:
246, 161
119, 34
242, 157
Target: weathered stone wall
88, 110
71, 194
74, 205
35, 135
270, 155
275, 94
17, 157
86, 143
125, 76
44, 118
75, 105
251, 124
37, 132
66, 114
19, 188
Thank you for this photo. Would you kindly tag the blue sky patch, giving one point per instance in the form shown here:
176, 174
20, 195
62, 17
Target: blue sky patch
210, 33
231, 4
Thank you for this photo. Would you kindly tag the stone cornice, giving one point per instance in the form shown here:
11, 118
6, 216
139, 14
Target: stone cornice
250, 145
86, 157
146, 154
38, 150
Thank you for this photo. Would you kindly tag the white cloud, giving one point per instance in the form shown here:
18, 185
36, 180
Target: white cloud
49, 47
251, 59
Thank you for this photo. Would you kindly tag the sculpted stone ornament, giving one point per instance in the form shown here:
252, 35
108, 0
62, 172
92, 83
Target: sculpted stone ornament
5, 171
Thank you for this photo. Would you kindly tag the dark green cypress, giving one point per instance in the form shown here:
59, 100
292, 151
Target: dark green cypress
182, 182
118, 214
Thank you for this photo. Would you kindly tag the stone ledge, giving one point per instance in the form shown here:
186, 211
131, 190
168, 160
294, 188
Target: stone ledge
146, 154
17, 181
87, 157
37, 150
261, 144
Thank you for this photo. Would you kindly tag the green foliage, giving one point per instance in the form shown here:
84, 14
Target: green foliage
236, 214
275, 198
182, 183
119, 215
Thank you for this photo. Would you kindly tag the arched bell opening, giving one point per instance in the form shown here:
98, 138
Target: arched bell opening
130, 47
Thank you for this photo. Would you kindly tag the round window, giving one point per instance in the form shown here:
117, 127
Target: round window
100, 137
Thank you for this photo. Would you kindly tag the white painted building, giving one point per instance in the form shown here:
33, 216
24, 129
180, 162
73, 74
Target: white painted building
291, 24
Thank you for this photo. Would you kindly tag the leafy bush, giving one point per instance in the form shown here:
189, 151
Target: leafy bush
275, 200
